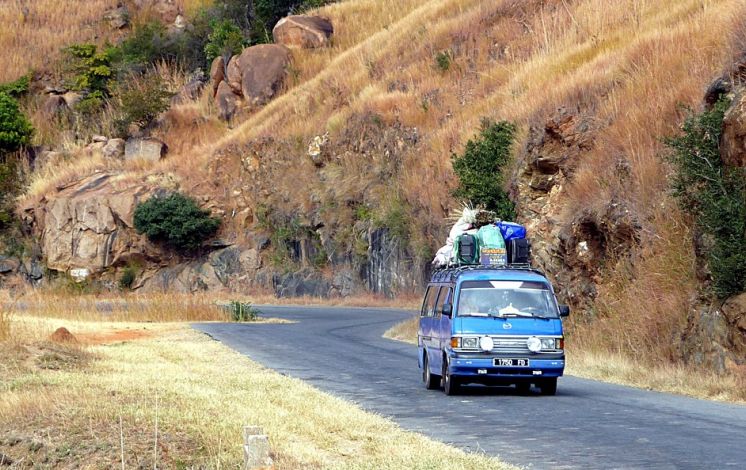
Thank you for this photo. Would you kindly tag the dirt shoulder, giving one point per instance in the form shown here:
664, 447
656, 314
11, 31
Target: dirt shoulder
68, 405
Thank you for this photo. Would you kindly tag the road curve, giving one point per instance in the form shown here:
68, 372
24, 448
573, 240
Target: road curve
588, 424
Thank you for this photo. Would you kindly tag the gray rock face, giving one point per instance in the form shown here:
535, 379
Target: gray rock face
147, 148
389, 269
733, 141
54, 104
114, 149
301, 283
8, 265
118, 18
303, 31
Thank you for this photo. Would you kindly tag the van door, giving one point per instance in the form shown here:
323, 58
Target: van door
425, 330
441, 325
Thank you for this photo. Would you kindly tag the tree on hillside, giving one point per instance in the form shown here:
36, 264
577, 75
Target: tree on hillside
15, 128
480, 169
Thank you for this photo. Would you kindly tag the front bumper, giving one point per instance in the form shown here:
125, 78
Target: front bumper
481, 368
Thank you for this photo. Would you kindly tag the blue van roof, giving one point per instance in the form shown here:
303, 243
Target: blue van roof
483, 273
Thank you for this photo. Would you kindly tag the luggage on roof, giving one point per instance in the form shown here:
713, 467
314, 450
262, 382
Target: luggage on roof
491, 246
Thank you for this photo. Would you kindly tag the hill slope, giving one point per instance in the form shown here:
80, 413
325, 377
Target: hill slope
593, 85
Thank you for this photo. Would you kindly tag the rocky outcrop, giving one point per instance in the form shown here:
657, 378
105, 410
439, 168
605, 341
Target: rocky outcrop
118, 18
89, 225
733, 142
145, 148
254, 77
303, 31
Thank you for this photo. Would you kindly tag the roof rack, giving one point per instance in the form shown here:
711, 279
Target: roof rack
451, 272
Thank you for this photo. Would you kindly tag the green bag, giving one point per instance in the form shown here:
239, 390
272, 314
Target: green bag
492, 251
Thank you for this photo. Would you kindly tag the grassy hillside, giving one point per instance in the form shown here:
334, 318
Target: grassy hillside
406, 84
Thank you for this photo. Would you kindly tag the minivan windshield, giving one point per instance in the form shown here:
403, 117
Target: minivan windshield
506, 299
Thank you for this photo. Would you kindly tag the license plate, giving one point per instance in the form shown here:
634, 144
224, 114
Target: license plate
500, 362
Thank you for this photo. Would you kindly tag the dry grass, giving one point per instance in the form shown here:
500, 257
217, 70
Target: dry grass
673, 378
405, 331
34, 32
202, 394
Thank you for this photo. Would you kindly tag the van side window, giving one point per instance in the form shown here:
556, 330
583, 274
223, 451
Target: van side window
429, 302
446, 293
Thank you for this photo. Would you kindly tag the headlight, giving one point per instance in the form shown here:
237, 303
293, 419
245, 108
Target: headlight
486, 343
534, 344
548, 343
470, 343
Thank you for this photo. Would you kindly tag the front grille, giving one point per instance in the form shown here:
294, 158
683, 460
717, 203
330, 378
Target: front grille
510, 345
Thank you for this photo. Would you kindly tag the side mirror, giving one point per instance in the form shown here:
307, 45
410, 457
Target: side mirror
448, 310
564, 310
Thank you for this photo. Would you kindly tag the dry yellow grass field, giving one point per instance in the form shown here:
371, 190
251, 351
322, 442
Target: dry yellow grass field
76, 405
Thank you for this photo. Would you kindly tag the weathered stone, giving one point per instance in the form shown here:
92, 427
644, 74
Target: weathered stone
717, 89
148, 148
263, 71
217, 73
256, 449
113, 149
80, 274
88, 225
303, 31
165, 10
733, 140
46, 158
99, 138
227, 101
118, 18
8, 265
233, 74
316, 149
72, 98
54, 104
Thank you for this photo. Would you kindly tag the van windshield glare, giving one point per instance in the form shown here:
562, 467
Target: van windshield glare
506, 299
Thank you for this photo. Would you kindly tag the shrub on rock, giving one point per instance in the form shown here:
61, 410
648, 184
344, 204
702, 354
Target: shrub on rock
176, 221
15, 129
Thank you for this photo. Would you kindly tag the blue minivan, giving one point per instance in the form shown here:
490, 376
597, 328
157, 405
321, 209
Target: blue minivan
493, 326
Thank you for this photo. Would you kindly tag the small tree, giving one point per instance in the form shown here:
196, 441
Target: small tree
141, 100
480, 168
714, 195
224, 39
176, 221
15, 129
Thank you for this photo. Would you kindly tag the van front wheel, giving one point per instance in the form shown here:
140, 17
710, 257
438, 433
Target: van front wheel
450, 384
432, 381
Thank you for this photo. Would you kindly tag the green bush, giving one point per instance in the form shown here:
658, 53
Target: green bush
242, 312
92, 69
16, 88
15, 128
714, 195
128, 278
480, 169
225, 38
176, 221
141, 100
443, 60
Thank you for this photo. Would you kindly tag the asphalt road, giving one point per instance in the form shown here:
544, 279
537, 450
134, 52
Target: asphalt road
588, 424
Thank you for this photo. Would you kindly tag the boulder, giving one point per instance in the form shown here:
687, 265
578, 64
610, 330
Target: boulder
118, 18
191, 89
227, 101
99, 138
145, 148
113, 149
263, 71
165, 10
233, 73
89, 225
54, 104
303, 31
733, 140
217, 73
